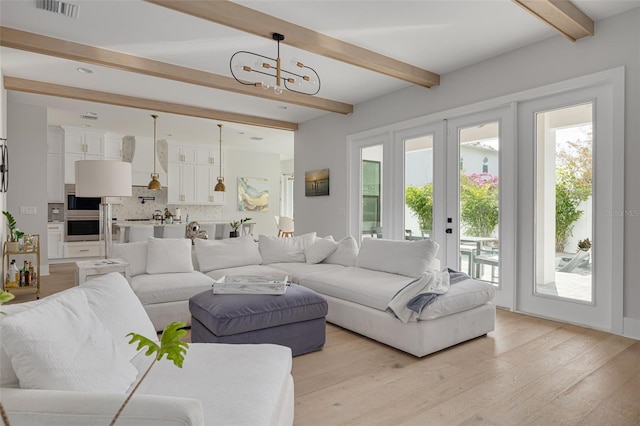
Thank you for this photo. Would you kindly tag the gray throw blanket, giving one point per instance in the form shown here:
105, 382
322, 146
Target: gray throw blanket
408, 303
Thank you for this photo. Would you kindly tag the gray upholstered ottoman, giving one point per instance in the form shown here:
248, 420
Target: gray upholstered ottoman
295, 319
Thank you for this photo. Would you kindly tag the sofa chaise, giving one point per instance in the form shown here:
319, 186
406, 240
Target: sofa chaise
358, 283
65, 360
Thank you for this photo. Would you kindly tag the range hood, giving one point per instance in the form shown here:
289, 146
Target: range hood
139, 152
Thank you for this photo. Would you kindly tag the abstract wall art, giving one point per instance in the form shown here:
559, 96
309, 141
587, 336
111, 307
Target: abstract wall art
253, 194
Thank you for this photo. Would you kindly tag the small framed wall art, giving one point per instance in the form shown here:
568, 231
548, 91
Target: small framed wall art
316, 182
253, 194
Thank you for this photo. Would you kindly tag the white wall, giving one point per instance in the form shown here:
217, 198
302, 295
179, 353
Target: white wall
321, 143
258, 165
27, 134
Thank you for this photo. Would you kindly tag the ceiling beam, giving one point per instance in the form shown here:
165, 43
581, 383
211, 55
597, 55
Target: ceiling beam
49, 89
561, 15
22, 40
252, 21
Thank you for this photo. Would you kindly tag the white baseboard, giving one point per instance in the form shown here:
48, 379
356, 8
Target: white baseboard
631, 328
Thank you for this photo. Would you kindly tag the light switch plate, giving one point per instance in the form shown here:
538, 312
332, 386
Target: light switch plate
28, 210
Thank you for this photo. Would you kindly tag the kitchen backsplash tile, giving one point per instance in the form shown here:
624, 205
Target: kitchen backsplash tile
133, 208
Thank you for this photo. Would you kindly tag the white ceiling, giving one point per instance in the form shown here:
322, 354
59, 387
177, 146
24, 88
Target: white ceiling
439, 36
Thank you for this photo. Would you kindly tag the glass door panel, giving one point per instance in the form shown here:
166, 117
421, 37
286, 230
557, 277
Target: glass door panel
371, 203
418, 189
480, 201
563, 200
481, 192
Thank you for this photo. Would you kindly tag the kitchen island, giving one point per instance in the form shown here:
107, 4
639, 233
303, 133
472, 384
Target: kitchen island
216, 230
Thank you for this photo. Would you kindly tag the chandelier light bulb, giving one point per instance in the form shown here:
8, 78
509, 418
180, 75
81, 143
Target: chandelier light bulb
264, 85
278, 90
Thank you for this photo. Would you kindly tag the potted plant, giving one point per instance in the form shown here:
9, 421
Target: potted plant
235, 225
14, 233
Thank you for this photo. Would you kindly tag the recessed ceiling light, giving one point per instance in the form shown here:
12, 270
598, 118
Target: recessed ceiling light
84, 70
283, 107
86, 125
256, 138
168, 135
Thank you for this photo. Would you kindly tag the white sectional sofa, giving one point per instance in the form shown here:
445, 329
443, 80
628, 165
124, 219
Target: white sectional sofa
66, 360
358, 284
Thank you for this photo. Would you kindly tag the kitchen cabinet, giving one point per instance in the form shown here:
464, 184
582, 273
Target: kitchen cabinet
112, 147
193, 173
207, 178
55, 234
181, 184
80, 145
82, 249
182, 154
55, 164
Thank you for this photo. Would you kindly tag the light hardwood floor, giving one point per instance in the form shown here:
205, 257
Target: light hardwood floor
529, 371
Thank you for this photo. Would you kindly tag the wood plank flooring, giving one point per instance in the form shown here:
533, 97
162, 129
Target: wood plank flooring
529, 371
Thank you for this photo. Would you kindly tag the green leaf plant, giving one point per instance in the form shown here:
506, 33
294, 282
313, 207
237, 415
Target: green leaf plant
14, 232
170, 347
236, 223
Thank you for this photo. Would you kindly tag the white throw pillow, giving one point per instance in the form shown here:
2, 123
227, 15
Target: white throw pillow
111, 298
169, 255
8, 378
320, 249
410, 258
227, 253
345, 254
62, 345
135, 254
287, 249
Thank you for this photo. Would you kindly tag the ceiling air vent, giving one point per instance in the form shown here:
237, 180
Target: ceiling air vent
60, 7
89, 116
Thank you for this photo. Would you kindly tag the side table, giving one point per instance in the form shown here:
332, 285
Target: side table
86, 269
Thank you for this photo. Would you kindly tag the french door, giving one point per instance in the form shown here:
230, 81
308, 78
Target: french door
569, 203
480, 189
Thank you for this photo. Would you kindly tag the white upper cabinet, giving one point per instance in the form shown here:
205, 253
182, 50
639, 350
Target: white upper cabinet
193, 175
112, 147
80, 144
55, 164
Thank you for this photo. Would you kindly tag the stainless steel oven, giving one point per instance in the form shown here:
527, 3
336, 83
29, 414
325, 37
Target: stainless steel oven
82, 216
82, 228
80, 206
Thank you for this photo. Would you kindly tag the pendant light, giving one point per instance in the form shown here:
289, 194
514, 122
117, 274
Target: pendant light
155, 182
220, 185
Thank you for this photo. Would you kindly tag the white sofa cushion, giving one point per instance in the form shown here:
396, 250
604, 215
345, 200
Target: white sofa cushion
8, 378
345, 254
110, 296
363, 286
61, 344
320, 249
133, 253
169, 255
238, 384
162, 288
295, 271
409, 258
226, 253
289, 249
461, 296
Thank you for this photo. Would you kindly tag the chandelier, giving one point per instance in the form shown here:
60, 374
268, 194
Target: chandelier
266, 72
